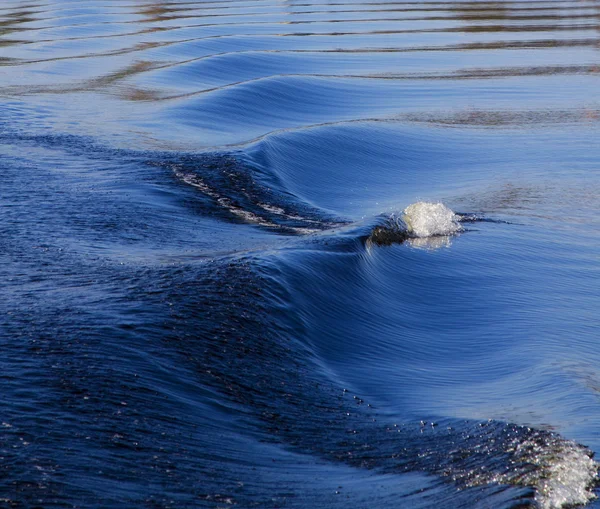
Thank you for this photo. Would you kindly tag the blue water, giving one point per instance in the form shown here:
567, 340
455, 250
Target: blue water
214, 294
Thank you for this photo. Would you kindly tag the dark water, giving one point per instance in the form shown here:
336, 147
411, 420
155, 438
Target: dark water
210, 297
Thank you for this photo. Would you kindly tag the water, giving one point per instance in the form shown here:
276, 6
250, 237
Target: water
299, 254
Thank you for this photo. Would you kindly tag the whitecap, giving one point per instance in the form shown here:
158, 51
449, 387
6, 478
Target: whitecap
426, 219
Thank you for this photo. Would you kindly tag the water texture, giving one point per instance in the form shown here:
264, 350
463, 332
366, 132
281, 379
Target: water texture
299, 253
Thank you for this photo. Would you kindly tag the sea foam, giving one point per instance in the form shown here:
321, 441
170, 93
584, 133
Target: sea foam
563, 473
425, 219
419, 223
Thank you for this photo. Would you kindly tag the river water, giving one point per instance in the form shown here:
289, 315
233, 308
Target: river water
215, 290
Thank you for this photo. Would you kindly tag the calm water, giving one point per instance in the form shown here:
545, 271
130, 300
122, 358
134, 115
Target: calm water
211, 298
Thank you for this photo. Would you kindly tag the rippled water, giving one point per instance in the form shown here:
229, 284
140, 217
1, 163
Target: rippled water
216, 291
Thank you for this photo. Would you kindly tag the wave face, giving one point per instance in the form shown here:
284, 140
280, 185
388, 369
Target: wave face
299, 254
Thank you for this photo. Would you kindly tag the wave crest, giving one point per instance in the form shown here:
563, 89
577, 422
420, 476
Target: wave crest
424, 219
418, 221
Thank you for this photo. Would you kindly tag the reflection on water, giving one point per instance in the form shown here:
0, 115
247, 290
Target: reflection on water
133, 52
431, 243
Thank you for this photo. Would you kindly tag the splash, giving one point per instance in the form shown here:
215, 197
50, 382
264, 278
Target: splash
424, 219
562, 472
424, 224
569, 474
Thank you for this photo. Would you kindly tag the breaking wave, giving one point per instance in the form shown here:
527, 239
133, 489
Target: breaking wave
417, 223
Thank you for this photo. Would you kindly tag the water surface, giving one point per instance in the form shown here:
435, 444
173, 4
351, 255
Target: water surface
194, 310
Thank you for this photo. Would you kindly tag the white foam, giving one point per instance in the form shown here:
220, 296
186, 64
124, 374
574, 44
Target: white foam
425, 219
563, 472
570, 474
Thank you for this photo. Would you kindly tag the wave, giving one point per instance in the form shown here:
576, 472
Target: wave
470, 454
232, 189
281, 379
235, 190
